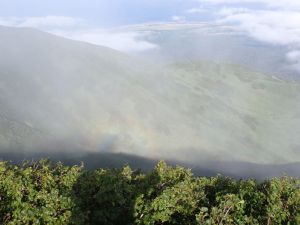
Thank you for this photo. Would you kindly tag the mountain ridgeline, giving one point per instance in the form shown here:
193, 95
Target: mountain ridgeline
64, 96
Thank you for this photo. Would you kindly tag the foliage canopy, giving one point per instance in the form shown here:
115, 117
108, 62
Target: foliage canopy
47, 193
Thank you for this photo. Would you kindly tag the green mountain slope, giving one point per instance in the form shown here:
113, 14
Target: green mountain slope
87, 98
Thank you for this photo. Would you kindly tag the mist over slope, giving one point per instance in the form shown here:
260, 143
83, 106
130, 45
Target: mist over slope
215, 42
64, 88
64, 96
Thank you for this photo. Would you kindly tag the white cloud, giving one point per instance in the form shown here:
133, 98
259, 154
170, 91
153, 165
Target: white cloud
292, 4
293, 58
280, 27
272, 21
77, 29
276, 27
122, 41
179, 18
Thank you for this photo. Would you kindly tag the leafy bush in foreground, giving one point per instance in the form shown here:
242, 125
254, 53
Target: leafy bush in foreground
46, 193
36, 193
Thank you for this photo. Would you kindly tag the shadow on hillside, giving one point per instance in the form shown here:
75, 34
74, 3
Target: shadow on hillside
204, 168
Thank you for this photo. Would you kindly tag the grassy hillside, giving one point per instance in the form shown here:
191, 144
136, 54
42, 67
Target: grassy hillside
235, 113
58, 95
46, 193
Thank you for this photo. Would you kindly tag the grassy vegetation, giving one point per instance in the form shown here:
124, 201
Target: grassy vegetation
47, 193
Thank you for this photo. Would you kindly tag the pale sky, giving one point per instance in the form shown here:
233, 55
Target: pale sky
100, 13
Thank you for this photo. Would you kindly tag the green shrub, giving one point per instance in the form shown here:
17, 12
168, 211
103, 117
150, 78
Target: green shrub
106, 196
36, 193
46, 193
172, 197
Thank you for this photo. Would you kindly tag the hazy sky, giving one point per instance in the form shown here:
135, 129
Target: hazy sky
272, 21
120, 12
98, 12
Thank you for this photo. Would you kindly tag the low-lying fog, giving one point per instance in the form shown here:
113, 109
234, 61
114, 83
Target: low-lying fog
219, 103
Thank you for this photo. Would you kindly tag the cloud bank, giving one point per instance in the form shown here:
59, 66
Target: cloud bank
78, 29
122, 41
281, 4
274, 22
